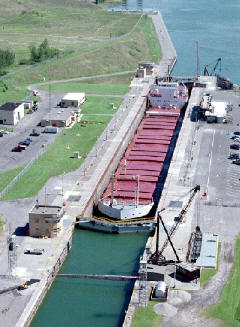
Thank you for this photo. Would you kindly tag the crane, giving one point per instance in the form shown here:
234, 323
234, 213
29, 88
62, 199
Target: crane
212, 73
157, 257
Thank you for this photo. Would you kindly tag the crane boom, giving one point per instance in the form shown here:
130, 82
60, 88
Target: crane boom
158, 257
206, 72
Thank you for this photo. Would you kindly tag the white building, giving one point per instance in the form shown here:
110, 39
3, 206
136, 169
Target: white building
73, 99
216, 112
11, 113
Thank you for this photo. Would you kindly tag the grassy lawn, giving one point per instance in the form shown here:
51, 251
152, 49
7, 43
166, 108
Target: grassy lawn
207, 274
116, 89
228, 309
78, 138
68, 25
114, 56
146, 317
7, 176
11, 93
1, 225
100, 105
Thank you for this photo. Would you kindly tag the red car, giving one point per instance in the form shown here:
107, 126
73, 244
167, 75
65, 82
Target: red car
21, 146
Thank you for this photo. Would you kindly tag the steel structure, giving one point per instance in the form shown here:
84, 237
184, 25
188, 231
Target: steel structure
157, 257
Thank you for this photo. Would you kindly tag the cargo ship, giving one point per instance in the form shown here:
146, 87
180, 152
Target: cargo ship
132, 191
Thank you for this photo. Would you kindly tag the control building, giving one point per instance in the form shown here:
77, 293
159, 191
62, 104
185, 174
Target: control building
45, 220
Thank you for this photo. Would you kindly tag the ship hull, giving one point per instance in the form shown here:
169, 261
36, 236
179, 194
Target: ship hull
115, 228
126, 211
143, 166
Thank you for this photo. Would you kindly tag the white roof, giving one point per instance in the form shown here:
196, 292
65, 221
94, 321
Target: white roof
74, 96
218, 109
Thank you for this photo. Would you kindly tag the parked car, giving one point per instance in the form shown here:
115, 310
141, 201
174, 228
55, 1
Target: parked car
50, 129
34, 133
1, 134
237, 139
22, 146
232, 136
235, 146
234, 156
25, 142
3, 131
236, 161
16, 149
28, 139
34, 251
236, 133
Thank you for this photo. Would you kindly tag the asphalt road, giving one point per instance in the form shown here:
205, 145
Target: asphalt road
10, 160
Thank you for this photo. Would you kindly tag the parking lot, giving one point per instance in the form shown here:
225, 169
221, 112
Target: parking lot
22, 130
214, 170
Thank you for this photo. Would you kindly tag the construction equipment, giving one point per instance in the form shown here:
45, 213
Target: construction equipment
222, 82
157, 257
213, 72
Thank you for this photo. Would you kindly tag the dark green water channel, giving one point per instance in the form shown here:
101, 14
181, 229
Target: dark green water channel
88, 303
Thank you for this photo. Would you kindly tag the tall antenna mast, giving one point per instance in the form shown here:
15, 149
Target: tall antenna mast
198, 67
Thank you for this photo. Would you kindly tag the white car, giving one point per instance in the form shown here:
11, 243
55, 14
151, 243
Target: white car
237, 139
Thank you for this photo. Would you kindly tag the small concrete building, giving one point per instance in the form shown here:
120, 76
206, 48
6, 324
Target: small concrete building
148, 66
141, 73
216, 112
11, 113
73, 99
62, 117
45, 220
208, 82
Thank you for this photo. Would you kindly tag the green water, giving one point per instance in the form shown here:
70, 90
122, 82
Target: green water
88, 303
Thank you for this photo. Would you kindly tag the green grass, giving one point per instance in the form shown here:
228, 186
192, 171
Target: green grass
99, 105
78, 138
8, 129
1, 226
228, 309
115, 56
12, 93
116, 89
207, 274
152, 42
109, 80
67, 24
7, 176
146, 317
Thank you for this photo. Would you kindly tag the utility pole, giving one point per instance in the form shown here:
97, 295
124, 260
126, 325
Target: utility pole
198, 67
12, 255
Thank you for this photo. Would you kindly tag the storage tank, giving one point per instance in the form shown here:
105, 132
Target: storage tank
160, 289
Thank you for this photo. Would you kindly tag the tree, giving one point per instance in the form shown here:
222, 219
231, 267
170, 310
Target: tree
43, 52
7, 58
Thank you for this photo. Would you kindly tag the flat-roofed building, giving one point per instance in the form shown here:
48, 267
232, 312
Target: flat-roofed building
62, 117
148, 66
45, 220
11, 113
73, 99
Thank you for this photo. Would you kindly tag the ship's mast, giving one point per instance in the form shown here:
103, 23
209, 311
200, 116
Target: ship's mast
112, 190
137, 195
